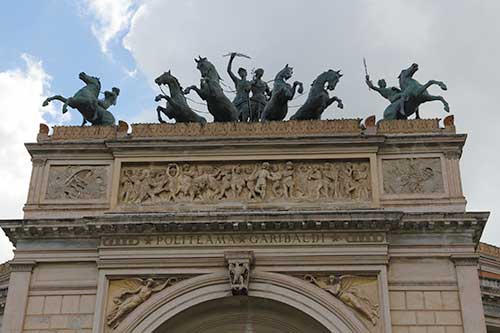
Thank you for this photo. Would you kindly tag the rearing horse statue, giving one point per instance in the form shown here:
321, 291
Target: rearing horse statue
318, 99
210, 91
413, 93
177, 106
87, 103
277, 107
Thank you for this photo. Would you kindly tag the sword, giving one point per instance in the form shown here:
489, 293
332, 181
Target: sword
366, 69
237, 54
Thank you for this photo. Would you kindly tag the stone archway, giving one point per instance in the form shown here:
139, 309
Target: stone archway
241, 314
284, 293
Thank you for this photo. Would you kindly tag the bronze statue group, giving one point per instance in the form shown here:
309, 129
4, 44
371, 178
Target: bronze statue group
254, 100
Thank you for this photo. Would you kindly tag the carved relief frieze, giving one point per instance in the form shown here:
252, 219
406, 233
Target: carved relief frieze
357, 292
412, 176
77, 182
323, 181
127, 294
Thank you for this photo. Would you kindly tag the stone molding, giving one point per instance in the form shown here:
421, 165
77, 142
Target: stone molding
488, 250
413, 126
249, 221
267, 129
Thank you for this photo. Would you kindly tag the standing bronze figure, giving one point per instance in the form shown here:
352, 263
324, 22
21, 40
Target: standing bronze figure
242, 85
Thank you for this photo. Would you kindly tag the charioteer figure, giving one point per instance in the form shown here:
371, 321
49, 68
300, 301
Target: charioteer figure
392, 94
406, 100
260, 95
242, 86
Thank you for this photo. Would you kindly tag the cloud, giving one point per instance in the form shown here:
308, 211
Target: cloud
111, 17
22, 91
454, 42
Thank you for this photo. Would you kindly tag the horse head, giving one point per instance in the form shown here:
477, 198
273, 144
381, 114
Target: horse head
90, 80
284, 74
330, 77
207, 69
408, 72
167, 78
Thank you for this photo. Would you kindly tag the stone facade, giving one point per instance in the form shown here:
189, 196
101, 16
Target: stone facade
330, 225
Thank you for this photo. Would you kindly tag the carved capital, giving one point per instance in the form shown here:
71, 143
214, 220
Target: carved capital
465, 260
38, 162
22, 266
453, 155
239, 264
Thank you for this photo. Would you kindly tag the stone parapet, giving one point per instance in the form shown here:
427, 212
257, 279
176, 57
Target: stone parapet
291, 128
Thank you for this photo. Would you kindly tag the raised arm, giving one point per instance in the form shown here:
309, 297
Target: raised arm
229, 71
370, 84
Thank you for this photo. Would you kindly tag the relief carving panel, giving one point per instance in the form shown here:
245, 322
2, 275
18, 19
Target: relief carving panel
126, 295
77, 182
323, 181
357, 292
413, 176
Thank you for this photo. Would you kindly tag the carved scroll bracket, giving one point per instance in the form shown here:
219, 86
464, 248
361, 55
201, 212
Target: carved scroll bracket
239, 264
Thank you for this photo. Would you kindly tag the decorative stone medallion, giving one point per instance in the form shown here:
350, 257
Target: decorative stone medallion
77, 182
412, 176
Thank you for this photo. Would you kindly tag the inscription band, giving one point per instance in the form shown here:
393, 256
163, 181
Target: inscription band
241, 239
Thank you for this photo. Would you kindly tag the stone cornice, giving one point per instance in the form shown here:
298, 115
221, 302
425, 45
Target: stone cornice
394, 222
347, 132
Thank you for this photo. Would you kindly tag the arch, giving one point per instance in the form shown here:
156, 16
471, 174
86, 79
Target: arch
241, 314
301, 295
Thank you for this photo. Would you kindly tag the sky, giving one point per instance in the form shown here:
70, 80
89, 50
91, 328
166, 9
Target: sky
128, 43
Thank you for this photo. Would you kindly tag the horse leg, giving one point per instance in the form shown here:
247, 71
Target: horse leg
430, 83
84, 121
56, 97
159, 110
430, 98
159, 97
294, 88
200, 92
65, 105
340, 105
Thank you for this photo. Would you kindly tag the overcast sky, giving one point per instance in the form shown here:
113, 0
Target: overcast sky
130, 42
